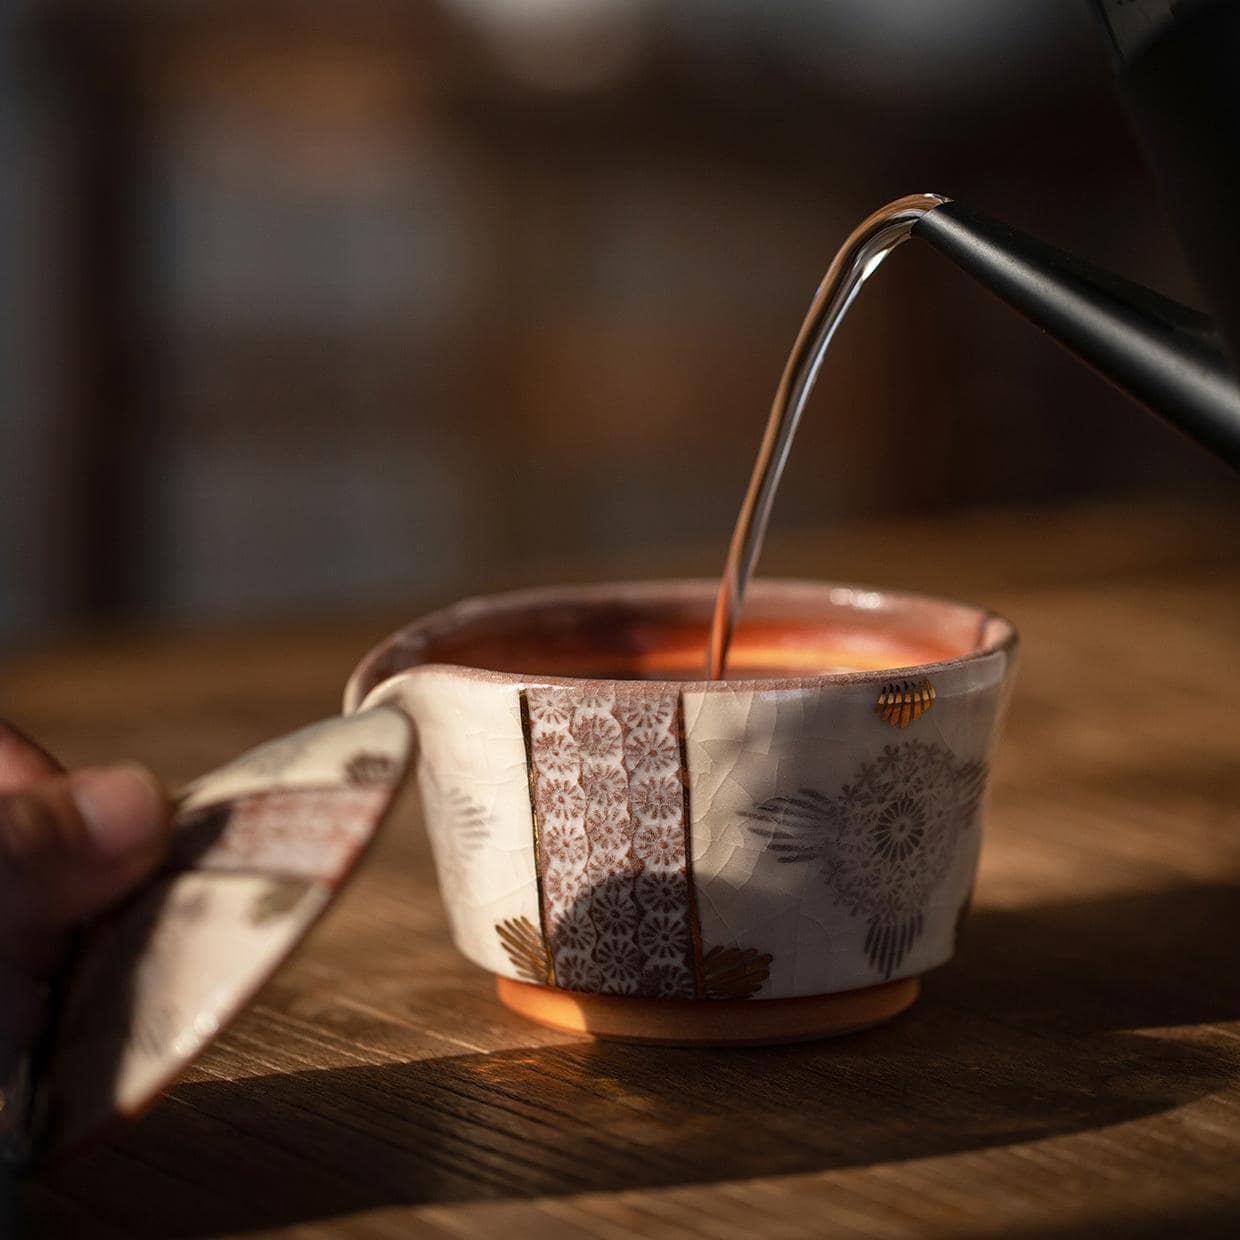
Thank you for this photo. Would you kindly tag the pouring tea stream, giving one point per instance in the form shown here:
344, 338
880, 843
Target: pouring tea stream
1164, 355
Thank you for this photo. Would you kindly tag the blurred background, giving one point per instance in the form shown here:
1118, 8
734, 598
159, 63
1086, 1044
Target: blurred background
308, 305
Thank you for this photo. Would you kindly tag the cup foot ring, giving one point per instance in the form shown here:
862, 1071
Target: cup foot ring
708, 1022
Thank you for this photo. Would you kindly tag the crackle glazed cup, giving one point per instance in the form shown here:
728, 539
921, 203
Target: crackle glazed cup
639, 853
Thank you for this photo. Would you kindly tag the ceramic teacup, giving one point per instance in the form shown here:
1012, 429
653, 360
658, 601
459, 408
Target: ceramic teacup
638, 852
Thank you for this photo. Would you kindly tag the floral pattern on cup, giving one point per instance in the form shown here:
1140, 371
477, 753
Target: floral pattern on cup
609, 805
885, 841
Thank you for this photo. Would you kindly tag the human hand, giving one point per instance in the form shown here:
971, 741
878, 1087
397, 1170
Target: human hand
71, 845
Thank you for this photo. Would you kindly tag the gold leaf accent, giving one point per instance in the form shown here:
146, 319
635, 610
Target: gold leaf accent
735, 972
902, 702
523, 943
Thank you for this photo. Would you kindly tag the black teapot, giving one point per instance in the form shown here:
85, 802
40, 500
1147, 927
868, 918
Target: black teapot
1175, 63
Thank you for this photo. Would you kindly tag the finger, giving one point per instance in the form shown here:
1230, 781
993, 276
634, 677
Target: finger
70, 847
22, 761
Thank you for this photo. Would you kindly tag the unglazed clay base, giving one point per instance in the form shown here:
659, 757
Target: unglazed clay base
719, 1022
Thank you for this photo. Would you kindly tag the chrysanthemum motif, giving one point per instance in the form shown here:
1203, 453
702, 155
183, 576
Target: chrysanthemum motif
551, 707
575, 970
885, 841
899, 830
608, 830
663, 892
565, 844
647, 712
597, 695
667, 980
561, 883
555, 752
616, 865
561, 799
619, 960
660, 846
614, 909
621, 981
574, 932
663, 937
649, 751
657, 798
598, 736
610, 822
604, 784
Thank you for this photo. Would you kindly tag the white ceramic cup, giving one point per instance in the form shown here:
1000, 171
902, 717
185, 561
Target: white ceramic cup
606, 825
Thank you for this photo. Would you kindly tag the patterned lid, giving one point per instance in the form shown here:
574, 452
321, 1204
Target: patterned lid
260, 849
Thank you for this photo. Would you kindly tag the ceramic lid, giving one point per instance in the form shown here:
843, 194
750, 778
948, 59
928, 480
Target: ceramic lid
260, 849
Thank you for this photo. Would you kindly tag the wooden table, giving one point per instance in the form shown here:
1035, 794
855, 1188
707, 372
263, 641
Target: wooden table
1074, 1072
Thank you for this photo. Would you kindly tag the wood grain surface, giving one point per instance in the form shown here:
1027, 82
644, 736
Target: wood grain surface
1075, 1072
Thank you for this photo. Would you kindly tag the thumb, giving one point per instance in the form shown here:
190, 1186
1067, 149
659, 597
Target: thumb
69, 847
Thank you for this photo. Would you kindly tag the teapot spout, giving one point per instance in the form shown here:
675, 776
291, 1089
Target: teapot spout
1164, 355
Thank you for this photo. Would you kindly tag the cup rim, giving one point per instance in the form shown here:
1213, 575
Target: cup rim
995, 633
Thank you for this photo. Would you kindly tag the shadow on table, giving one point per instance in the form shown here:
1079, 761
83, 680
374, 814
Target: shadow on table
1030, 1033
